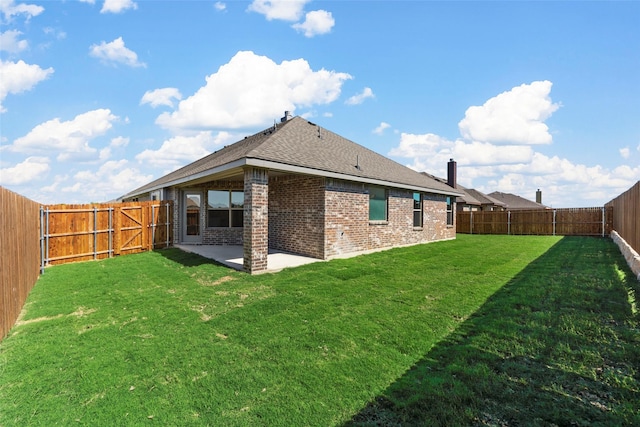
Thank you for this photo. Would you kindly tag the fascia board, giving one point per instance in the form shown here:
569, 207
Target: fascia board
267, 164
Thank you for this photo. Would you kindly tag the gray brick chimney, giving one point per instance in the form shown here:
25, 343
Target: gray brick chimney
287, 116
452, 173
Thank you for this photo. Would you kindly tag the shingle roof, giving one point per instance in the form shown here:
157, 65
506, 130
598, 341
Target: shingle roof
483, 199
302, 144
469, 196
515, 202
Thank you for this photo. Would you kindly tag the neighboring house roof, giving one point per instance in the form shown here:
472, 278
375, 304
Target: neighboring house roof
299, 146
469, 196
514, 202
482, 199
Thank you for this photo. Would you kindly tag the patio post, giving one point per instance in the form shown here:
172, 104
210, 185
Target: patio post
256, 220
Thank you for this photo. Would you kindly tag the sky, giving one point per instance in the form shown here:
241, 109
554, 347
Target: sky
99, 97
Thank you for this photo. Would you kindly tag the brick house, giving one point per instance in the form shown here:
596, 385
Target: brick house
300, 188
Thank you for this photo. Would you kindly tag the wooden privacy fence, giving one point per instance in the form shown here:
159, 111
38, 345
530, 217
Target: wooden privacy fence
626, 216
552, 222
71, 233
19, 254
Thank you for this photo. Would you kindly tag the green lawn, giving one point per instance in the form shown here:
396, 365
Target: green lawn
483, 330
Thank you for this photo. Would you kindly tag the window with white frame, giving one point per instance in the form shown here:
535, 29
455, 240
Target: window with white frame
225, 208
450, 210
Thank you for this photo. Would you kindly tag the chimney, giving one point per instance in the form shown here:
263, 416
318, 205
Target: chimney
539, 196
287, 116
452, 173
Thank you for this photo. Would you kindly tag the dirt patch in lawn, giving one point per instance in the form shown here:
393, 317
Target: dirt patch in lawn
217, 282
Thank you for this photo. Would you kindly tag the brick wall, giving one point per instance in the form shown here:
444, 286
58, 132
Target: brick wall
349, 230
323, 218
435, 218
296, 214
256, 220
346, 218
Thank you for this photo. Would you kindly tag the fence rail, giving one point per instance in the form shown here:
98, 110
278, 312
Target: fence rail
19, 255
71, 233
626, 216
563, 222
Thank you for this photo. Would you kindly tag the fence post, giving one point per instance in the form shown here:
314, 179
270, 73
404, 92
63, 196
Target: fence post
554, 222
117, 230
167, 221
95, 232
110, 232
153, 227
47, 236
604, 224
508, 223
471, 222
41, 240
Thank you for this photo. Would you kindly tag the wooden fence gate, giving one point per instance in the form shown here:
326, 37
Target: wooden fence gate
70, 233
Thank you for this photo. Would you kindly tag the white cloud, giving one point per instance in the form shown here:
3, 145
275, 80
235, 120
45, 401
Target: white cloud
115, 52
625, 152
381, 128
109, 181
220, 6
29, 170
252, 90
70, 139
361, 97
316, 22
19, 77
496, 153
164, 96
117, 6
9, 9
119, 141
9, 42
513, 117
412, 145
285, 10
431, 152
58, 34
180, 150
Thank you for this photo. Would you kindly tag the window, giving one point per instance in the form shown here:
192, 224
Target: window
450, 210
417, 210
377, 204
225, 208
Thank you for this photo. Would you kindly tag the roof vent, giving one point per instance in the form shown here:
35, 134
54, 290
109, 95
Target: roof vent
287, 116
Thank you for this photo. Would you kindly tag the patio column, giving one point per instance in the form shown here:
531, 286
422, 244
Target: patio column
256, 220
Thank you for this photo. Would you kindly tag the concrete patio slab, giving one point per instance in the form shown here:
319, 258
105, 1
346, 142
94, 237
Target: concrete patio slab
232, 256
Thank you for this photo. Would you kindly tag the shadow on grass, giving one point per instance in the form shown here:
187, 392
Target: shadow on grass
187, 259
558, 345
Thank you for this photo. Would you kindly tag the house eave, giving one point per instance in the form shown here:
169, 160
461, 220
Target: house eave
284, 167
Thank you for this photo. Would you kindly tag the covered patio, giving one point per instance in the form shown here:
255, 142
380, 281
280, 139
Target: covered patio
232, 256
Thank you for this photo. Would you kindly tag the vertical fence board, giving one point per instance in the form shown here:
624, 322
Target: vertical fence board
19, 254
626, 216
